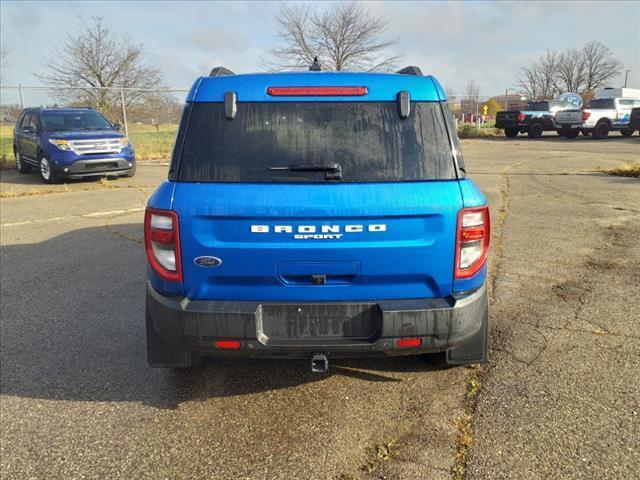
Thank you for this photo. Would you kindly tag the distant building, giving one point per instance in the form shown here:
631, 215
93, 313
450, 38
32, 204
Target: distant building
513, 101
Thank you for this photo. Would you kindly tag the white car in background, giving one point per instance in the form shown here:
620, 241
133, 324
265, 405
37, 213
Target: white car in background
609, 109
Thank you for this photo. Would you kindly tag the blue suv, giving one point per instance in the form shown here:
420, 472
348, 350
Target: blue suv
316, 215
70, 143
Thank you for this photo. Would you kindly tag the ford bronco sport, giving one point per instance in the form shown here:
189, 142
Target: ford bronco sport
316, 215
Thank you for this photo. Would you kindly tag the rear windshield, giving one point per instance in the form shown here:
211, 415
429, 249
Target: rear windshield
268, 142
600, 103
537, 106
68, 121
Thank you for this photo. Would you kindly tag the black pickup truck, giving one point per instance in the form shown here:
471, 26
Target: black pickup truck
536, 118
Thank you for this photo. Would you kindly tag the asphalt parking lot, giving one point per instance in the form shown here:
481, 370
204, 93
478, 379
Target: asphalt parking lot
558, 399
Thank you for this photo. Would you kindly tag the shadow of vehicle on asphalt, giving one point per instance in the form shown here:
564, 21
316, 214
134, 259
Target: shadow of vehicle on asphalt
73, 329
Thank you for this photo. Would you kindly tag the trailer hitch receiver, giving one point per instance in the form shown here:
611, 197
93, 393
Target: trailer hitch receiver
319, 363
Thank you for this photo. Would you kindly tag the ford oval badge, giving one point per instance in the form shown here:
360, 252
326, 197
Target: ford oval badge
207, 261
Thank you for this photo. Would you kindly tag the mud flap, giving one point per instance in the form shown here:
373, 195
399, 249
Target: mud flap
475, 350
160, 352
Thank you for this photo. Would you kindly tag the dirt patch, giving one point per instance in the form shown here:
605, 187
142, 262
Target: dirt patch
628, 170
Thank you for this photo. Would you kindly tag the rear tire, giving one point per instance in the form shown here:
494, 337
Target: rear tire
511, 132
561, 132
571, 133
626, 133
601, 131
535, 130
21, 167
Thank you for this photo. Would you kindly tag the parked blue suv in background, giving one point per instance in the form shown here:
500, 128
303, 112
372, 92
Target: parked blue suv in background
70, 143
316, 215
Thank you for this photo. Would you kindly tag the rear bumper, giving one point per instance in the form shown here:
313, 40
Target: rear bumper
193, 326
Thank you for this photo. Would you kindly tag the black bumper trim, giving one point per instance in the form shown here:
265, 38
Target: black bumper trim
82, 168
441, 323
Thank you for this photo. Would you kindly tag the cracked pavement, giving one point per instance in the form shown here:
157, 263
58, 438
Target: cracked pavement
559, 399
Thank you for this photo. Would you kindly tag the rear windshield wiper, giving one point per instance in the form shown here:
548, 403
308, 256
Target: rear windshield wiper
332, 171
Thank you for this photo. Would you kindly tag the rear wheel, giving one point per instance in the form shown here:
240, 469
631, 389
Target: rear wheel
535, 131
511, 132
601, 130
626, 133
561, 132
21, 166
571, 133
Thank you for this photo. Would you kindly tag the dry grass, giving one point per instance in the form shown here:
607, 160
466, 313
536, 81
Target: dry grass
469, 130
464, 424
150, 143
627, 170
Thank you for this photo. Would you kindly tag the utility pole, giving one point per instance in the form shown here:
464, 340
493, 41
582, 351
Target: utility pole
124, 113
626, 74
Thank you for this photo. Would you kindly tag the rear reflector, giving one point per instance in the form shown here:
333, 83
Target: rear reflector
228, 344
162, 236
317, 91
409, 342
472, 242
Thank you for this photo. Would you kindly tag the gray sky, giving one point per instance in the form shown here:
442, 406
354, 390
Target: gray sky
455, 41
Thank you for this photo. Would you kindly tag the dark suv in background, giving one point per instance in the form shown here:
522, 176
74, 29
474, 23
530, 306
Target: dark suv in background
70, 143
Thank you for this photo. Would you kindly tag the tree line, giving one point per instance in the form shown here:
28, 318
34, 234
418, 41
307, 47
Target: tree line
342, 36
580, 71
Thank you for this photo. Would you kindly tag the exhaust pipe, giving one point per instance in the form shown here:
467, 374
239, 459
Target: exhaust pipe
319, 363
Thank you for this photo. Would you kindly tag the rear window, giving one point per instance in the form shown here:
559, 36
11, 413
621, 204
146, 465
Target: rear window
369, 141
600, 103
537, 107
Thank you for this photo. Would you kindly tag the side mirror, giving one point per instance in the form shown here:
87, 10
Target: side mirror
117, 126
28, 129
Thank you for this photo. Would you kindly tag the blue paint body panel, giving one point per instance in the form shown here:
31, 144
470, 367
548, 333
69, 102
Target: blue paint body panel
382, 87
253, 228
413, 258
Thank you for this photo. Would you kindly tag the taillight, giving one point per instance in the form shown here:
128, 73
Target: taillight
411, 342
317, 91
162, 242
227, 344
585, 116
472, 241
521, 117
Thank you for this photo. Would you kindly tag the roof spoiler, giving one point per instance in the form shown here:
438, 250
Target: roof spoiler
220, 72
411, 70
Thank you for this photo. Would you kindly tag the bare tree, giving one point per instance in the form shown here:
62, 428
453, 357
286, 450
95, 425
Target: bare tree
540, 79
573, 70
95, 57
471, 89
343, 36
600, 64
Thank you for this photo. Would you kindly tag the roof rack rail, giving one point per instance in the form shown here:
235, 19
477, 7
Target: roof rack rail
411, 70
220, 72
